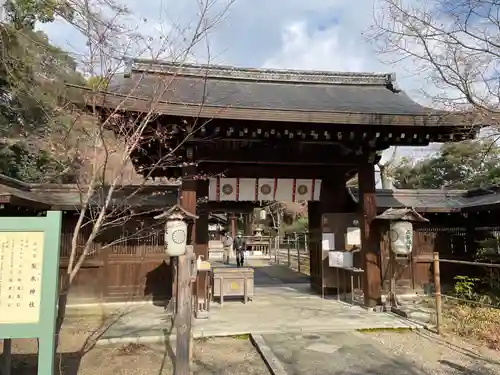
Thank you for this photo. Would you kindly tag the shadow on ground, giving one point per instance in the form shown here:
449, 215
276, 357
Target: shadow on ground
27, 364
276, 274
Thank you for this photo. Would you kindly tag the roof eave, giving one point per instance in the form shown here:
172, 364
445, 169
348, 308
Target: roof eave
115, 101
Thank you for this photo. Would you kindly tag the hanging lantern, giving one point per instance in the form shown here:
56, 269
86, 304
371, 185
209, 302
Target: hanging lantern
263, 214
176, 229
175, 237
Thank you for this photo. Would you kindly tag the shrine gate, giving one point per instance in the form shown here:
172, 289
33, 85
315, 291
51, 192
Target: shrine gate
275, 135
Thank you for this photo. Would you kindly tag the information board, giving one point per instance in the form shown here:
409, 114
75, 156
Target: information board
21, 257
29, 274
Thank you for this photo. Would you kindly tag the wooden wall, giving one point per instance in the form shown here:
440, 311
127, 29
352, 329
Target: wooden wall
126, 263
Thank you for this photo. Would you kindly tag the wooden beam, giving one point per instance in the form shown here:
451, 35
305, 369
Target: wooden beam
372, 286
274, 163
227, 206
284, 153
274, 171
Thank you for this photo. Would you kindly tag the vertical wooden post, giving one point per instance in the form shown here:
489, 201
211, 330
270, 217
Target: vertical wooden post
437, 293
233, 225
183, 277
201, 241
184, 314
370, 255
306, 243
297, 245
289, 256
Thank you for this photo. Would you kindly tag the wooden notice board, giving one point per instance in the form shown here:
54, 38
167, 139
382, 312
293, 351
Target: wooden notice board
29, 273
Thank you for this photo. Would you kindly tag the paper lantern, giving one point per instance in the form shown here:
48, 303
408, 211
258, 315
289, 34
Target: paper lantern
401, 236
263, 214
175, 237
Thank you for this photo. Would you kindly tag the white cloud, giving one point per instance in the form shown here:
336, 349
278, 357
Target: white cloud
319, 50
309, 35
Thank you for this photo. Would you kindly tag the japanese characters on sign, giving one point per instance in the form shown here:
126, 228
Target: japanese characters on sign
21, 255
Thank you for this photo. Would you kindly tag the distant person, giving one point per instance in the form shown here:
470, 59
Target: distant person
227, 243
239, 245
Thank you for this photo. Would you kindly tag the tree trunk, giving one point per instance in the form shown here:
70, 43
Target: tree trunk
62, 302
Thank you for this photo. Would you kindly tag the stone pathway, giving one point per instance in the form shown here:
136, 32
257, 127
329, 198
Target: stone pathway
283, 302
353, 353
331, 354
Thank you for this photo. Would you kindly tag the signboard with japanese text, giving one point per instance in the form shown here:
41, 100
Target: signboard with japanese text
21, 257
29, 275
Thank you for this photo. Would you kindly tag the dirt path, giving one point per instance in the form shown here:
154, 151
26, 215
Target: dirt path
222, 356
432, 354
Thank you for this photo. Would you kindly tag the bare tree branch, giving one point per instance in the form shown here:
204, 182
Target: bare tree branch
453, 44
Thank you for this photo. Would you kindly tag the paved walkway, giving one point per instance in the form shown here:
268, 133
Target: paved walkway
329, 354
354, 353
279, 306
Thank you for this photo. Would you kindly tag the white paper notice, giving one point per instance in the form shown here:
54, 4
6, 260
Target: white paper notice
328, 241
354, 236
21, 256
341, 259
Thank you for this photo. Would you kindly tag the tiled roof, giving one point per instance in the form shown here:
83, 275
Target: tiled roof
407, 214
223, 86
232, 92
339, 92
436, 200
69, 197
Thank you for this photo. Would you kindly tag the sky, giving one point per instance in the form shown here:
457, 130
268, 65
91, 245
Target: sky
292, 34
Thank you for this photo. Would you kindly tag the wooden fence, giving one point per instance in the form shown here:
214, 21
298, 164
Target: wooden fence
125, 263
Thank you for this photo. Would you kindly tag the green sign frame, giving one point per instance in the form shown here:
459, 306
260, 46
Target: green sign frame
44, 329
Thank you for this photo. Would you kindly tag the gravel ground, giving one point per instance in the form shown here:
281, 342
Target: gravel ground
432, 354
221, 356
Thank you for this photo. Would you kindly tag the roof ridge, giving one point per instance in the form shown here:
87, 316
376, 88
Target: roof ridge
258, 74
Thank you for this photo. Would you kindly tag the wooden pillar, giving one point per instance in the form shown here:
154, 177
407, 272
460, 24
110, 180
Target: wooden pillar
233, 226
332, 200
315, 261
188, 202
369, 237
182, 284
184, 315
188, 199
248, 224
201, 241
201, 230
